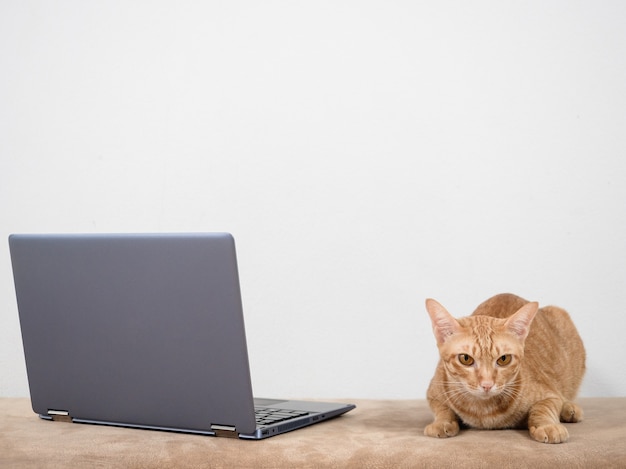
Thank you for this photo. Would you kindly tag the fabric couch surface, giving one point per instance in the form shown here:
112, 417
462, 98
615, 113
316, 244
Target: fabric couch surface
377, 434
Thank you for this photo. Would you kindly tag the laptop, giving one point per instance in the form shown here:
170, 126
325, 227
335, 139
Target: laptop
143, 331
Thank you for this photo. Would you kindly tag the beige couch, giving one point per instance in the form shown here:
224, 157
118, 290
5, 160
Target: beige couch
378, 434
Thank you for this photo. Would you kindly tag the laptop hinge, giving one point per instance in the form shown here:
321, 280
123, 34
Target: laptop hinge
224, 430
60, 415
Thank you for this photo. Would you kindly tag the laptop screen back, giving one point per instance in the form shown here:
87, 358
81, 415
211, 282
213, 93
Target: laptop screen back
134, 329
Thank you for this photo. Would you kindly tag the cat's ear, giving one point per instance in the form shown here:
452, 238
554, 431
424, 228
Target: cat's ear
444, 325
519, 323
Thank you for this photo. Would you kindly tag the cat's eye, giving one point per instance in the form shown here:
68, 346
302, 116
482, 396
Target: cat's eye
504, 360
465, 359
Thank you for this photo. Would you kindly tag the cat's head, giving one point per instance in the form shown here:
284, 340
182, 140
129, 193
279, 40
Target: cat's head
481, 354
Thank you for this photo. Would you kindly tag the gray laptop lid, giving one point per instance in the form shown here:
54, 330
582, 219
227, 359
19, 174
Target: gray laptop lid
142, 330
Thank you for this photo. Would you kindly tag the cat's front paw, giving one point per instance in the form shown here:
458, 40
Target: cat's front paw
571, 413
442, 429
551, 433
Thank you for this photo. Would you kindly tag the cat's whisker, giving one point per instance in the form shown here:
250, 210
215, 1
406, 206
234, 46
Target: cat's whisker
453, 389
512, 392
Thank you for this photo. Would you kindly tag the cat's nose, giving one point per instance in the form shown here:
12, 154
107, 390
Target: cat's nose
486, 385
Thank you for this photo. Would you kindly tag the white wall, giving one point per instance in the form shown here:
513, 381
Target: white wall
366, 155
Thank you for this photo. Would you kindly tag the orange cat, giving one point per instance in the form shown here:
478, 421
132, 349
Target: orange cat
509, 364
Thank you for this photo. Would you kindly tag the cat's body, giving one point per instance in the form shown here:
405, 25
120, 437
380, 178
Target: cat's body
508, 365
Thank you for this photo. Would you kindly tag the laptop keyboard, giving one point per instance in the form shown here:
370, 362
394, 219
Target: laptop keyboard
269, 415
